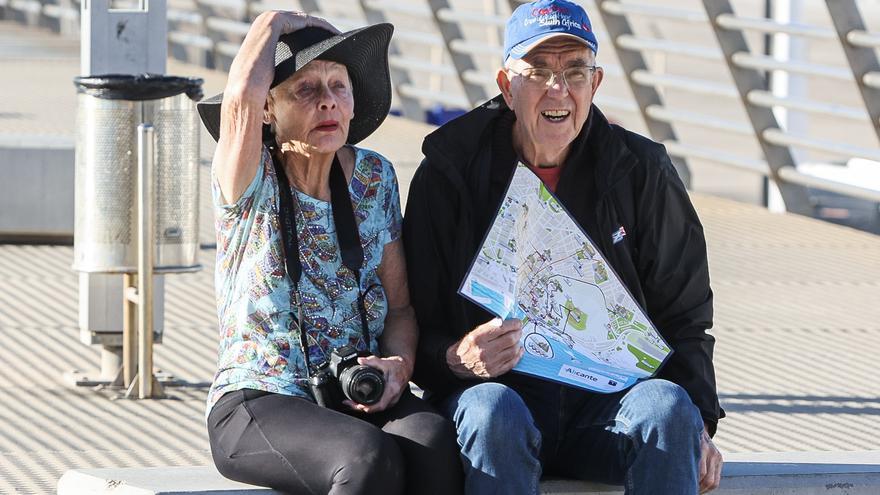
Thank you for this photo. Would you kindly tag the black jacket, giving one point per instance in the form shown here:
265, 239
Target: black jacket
612, 178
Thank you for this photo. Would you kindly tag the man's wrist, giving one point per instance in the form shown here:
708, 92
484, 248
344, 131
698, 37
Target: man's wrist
452, 358
455, 363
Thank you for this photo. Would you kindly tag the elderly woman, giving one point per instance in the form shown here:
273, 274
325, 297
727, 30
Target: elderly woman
311, 282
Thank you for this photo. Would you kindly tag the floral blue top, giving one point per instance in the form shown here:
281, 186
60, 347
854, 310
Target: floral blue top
259, 341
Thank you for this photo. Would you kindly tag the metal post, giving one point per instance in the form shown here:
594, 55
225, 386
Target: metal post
410, 107
464, 63
746, 81
129, 328
785, 47
862, 59
146, 162
646, 96
111, 362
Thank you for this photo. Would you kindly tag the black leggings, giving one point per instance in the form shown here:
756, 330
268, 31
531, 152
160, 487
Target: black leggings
293, 445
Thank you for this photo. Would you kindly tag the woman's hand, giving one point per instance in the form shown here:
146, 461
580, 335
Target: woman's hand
397, 372
288, 21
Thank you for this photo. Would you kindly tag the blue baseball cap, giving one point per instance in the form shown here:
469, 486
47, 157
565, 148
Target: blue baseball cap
535, 22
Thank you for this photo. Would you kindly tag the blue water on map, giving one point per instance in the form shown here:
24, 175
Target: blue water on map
490, 299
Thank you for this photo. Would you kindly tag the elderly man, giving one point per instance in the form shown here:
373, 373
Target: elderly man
623, 191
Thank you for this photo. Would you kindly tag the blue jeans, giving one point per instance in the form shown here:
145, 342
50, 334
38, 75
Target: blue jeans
646, 438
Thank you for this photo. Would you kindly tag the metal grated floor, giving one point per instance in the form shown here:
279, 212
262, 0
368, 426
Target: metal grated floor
796, 322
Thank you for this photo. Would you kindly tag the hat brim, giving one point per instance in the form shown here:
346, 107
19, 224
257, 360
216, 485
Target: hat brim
364, 53
521, 50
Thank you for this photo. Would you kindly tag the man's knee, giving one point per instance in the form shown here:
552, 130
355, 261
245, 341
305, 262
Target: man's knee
489, 402
493, 411
662, 404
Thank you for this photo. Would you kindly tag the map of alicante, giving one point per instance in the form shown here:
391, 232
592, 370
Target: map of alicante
581, 326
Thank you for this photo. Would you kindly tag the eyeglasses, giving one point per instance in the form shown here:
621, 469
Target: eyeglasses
575, 78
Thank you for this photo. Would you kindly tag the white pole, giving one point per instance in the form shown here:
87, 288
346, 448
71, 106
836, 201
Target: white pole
785, 47
146, 159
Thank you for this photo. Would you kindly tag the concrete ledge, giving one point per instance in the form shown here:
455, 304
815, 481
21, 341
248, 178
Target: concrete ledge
154, 481
36, 193
796, 473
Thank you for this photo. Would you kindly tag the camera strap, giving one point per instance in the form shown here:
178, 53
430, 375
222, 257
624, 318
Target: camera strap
350, 247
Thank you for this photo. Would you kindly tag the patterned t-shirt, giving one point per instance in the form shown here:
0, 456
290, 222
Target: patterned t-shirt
259, 341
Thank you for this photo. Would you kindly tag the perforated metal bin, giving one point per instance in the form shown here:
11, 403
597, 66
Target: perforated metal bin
105, 231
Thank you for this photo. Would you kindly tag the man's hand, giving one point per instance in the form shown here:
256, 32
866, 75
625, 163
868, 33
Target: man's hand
489, 350
397, 373
710, 463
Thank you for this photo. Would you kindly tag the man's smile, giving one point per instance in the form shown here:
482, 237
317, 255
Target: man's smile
555, 116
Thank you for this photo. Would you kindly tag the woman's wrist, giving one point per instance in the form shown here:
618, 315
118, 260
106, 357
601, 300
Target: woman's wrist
269, 20
406, 364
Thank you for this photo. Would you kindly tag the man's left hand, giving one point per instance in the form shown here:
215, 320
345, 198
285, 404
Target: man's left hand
710, 463
397, 373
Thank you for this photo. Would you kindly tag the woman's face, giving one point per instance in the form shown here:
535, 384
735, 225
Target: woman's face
311, 110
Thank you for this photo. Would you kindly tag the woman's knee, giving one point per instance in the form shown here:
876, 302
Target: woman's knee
428, 444
426, 428
225, 465
374, 464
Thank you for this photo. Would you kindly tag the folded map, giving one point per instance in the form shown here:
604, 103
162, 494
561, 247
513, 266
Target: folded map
581, 326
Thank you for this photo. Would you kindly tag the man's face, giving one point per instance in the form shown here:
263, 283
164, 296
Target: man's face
549, 117
311, 110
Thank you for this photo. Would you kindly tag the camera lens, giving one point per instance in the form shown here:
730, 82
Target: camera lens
362, 384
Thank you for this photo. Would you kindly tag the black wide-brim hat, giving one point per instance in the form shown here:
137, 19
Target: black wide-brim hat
364, 53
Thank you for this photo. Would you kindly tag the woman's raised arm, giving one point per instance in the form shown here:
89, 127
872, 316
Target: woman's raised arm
244, 99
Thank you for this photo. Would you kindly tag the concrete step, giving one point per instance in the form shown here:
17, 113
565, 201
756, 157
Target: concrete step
783, 473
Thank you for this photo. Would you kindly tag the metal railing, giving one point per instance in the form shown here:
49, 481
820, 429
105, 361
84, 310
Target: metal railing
447, 53
749, 73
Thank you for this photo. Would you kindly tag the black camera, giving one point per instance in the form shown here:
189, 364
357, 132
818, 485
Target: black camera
342, 377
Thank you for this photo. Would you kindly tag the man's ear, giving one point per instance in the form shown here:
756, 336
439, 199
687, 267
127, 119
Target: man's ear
503, 82
267, 115
597, 79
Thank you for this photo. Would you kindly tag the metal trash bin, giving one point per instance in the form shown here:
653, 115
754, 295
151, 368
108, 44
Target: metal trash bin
105, 231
